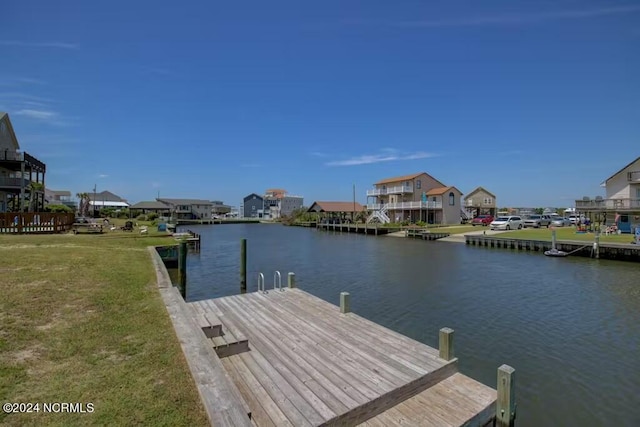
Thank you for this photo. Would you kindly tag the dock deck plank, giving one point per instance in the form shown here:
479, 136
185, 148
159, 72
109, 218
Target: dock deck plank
309, 364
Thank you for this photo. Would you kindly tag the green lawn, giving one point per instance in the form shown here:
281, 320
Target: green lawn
454, 229
83, 321
564, 233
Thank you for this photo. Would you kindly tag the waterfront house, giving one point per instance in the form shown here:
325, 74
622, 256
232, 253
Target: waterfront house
621, 205
278, 203
336, 210
480, 202
218, 208
413, 198
253, 206
59, 197
188, 208
21, 175
105, 200
153, 206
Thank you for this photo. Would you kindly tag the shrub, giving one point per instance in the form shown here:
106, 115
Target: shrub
152, 216
141, 217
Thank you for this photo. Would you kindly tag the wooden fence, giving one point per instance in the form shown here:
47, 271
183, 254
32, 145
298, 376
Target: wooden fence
35, 222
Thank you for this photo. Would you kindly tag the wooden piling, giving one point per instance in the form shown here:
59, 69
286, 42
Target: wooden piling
291, 280
596, 246
243, 266
344, 302
182, 268
553, 240
446, 344
506, 403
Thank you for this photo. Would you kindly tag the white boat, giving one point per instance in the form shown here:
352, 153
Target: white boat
555, 252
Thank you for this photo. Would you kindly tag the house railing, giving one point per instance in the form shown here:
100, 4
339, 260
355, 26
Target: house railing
13, 182
611, 204
398, 189
15, 156
405, 205
35, 222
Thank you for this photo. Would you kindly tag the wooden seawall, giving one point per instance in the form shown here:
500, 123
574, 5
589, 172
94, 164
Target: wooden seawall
617, 251
426, 235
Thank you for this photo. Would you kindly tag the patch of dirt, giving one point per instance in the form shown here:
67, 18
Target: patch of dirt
26, 355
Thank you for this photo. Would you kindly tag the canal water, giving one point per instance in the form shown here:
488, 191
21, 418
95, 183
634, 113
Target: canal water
569, 326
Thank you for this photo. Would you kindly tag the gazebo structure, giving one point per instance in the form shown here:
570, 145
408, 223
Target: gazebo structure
336, 210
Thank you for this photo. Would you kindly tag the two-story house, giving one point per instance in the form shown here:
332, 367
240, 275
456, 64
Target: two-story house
21, 175
278, 203
480, 202
416, 197
622, 201
59, 197
189, 208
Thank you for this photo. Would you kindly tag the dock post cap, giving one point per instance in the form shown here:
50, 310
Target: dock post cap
291, 279
344, 302
446, 349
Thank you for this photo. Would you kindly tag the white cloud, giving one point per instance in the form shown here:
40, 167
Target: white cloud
102, 175
53, 44
389, 155
514, 19
37, 114
317, 154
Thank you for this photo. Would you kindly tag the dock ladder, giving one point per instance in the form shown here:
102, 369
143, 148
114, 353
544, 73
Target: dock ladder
277, 281
261, 283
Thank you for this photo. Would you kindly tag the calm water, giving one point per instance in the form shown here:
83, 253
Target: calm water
569, 326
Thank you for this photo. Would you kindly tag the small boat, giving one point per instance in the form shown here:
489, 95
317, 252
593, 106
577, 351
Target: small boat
555, 252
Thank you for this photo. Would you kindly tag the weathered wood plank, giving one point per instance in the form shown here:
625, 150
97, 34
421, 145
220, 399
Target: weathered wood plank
221, 398
317, 397
334, 397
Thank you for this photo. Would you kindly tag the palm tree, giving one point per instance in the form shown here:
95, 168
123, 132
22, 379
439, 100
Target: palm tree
83, 204
35, 189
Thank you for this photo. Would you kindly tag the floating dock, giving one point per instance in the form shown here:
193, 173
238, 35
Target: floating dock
425, 235
616, 251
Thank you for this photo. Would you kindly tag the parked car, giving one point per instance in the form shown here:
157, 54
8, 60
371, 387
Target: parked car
560, 222
482, 220
507, 223
537, 221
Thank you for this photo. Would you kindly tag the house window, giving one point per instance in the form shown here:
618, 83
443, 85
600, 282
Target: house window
488, 200
418, 184
452, 199
434, 199
253, 208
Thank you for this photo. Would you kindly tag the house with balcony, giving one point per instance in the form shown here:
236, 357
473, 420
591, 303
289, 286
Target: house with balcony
59, 197
621, 205
278, 203
189, 208
480, 202
21, 175
413, 198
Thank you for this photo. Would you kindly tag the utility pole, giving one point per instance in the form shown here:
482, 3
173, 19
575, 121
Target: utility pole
353, 214
94, 200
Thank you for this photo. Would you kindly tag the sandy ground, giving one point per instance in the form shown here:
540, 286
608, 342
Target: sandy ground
459, 238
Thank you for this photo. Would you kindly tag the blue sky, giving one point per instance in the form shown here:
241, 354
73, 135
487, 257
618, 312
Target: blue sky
538, 101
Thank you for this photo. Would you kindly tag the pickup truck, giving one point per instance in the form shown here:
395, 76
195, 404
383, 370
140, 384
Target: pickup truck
482, 220
537, 221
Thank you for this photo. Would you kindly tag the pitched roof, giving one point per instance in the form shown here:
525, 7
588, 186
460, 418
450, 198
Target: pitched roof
106, 196
150, 205
399, 178
185, 201
335, 207
441, 190
251, 195
4, 117
605, 181
480, 189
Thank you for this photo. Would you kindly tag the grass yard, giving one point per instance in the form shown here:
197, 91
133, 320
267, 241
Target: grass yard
454, 229
564, 233
83, 321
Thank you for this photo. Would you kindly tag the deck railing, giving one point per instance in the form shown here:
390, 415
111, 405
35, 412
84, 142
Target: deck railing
398, 189
35, 222
13, 182
405, 205
612, 204
11, 155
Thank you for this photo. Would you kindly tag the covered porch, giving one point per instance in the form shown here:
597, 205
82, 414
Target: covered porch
338, 211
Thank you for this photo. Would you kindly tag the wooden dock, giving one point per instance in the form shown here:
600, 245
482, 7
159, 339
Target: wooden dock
298, 360
616, 251
358, 228
425, 234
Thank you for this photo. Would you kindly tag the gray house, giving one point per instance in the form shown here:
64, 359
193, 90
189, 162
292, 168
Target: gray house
253, 206
189, 208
